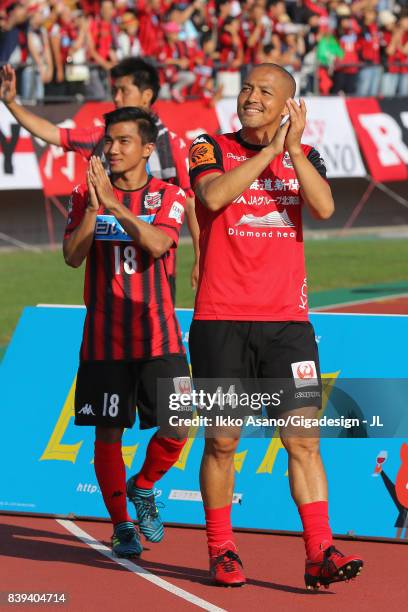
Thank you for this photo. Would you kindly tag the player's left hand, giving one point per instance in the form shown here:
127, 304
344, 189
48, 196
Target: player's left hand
297, 118
101, 182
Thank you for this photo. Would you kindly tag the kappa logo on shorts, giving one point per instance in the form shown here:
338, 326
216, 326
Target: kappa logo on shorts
182, 384
202, 154
87, 409
304, 373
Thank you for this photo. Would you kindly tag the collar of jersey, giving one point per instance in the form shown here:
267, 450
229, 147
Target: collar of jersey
247, 145
149, 178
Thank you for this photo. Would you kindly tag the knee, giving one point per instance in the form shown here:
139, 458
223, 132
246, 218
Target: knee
221, 448
109, 435
302, 448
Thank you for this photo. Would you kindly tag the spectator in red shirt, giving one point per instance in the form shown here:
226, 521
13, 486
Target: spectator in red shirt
389, 80
368, 42
39, 66
175, 55
397, 52
68, 44
346, 68
204, 85
102, 50
253, 33
151, 33
231, 47
128, 37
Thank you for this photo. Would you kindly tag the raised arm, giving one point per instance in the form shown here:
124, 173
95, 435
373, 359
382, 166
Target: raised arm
146, 236
80, 229
315, 190
37, 126
218, 189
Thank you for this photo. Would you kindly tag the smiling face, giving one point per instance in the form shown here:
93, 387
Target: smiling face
262, 100
126, 93
124, 148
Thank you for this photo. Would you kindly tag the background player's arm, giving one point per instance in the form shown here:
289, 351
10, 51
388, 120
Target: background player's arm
194, 230
180, 157
315, 190
77, 246
146, 236
218, 189
37, 126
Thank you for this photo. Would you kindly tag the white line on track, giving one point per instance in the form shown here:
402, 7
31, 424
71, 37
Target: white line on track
141, 572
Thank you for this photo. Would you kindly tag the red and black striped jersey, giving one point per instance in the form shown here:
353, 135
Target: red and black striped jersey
130, 312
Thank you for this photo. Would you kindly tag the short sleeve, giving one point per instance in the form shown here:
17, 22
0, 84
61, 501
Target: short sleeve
314, 157
171, 214
205, 156
76, 209
81, 140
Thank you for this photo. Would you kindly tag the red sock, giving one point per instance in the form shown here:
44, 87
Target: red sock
316, 528
161, 455
111, 474
218, 526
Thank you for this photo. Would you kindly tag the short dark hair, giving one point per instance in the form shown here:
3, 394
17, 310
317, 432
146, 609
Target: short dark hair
144, 74
145, 121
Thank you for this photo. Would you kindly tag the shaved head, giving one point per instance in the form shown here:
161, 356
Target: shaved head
281, 72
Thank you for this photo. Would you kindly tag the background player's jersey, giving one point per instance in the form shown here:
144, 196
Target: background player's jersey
251, 251
130, 312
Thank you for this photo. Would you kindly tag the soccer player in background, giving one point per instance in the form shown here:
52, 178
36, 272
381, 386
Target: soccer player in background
126, 226
251, 313
135, 82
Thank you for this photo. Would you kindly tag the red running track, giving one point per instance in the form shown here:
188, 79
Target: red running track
41, 555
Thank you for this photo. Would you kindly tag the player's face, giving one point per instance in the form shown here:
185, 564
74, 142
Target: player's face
262, 99
123, 147
126, 93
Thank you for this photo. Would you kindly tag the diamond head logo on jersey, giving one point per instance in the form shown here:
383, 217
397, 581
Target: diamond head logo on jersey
152, 200
272, 219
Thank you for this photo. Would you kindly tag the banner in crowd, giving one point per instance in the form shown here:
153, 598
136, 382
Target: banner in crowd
18, 162
49, 459
381, 126
328, 129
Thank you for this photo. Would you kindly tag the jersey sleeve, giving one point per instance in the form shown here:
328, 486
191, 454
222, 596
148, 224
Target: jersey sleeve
314, 157
205, 157
76, 209
81, 140
180, 156
171, 214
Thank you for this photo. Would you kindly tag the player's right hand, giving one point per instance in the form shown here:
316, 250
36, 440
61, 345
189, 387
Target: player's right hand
277, 144
8, 89
93, 204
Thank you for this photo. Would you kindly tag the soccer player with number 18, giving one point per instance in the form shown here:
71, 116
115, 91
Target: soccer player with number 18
126, 226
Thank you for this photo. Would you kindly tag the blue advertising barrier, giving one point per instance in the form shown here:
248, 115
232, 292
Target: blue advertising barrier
47, 461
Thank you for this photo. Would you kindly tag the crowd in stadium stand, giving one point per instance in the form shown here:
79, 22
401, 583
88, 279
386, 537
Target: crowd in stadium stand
204, 47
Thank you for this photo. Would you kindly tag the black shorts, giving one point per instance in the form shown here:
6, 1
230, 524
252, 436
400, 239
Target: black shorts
254, 351
107, 392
